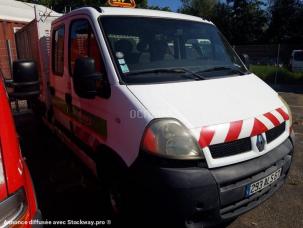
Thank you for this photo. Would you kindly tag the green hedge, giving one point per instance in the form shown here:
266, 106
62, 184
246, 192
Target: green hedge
284, 76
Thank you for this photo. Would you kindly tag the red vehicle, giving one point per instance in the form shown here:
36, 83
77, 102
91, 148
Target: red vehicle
18, 206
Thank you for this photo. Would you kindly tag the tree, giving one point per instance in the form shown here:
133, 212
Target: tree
166, 8
249, 21
142, 4
223, 18
286, 21
241, 21
201, 8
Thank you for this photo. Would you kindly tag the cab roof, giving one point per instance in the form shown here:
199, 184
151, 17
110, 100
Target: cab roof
148, 13
118, 11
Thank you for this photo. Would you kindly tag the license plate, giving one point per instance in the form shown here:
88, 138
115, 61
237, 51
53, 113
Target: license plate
263, 183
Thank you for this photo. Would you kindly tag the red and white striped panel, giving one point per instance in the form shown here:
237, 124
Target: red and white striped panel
228, 132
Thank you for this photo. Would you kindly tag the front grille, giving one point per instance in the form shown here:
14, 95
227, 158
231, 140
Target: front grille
230, 148
275, 132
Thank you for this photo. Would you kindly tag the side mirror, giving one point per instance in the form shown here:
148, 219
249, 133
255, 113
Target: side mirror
245, 60
85, 78
25, 79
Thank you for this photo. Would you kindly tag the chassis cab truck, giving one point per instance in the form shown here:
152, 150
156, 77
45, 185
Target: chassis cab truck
164, 111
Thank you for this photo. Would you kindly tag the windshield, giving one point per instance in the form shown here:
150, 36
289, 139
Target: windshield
298, 56
152, 50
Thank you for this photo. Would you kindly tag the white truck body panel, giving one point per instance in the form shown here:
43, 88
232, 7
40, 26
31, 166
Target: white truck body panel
213, 102
196, 104
124, 133
209, 102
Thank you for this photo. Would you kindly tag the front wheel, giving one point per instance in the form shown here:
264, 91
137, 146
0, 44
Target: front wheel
112, 179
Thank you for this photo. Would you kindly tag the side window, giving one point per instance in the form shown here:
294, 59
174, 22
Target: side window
83, 43
58, 51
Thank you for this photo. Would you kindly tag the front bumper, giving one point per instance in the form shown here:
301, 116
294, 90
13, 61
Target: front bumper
202, 195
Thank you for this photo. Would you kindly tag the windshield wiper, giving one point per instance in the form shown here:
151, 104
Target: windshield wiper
196, 76
224, 68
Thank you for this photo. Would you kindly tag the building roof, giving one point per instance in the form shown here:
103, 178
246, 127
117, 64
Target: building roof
11, 10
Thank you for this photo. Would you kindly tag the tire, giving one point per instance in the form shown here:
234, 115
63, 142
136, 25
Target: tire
111, 177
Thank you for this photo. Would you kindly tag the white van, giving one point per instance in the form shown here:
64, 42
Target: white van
296, 61
163, 110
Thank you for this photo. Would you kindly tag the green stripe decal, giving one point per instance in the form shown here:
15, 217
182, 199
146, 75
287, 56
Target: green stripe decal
93, 122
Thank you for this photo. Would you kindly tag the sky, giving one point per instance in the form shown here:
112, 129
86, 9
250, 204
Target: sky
173, 4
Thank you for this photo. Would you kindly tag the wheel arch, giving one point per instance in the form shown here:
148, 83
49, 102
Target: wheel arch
109, 162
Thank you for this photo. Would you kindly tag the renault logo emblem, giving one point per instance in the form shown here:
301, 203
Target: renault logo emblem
260, 143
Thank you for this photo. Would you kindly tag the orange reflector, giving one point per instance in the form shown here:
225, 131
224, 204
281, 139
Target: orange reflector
122, 3
149, 141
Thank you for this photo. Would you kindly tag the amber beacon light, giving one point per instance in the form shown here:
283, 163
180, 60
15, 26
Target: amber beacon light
122, 3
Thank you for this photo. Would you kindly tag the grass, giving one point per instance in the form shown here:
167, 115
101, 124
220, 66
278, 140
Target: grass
284, 76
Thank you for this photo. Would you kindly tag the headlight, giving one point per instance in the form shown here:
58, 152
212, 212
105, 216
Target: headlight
12, 209
170, 139
288, 109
